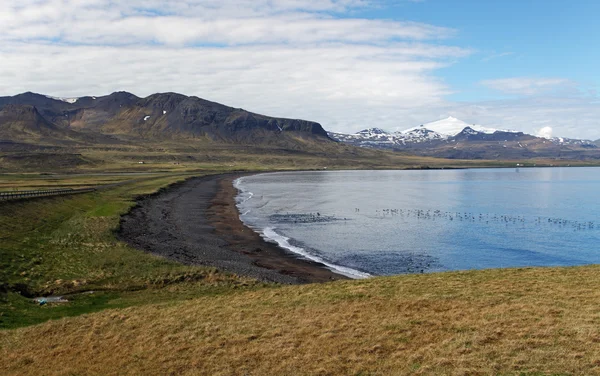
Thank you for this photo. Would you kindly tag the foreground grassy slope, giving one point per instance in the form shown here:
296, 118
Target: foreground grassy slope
150, 316
66, 245
519, 321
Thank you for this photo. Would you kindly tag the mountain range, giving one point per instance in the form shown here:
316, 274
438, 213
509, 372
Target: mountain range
122, 119
455, 139
123, 116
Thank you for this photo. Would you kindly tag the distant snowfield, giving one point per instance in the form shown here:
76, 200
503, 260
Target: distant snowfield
438, 130
452, 126
68, 100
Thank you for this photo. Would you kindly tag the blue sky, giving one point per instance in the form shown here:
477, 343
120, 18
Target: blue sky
534, 38
348, 64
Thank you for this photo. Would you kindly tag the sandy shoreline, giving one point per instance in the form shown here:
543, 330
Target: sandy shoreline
197, 222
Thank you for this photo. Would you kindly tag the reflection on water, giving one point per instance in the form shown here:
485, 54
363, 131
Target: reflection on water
389, 222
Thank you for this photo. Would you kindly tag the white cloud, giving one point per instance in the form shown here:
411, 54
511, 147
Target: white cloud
339, 86
527, 85
545, 132
192, 21
292, 58
568, 116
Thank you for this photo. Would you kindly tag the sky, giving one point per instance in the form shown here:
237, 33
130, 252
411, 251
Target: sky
528, 65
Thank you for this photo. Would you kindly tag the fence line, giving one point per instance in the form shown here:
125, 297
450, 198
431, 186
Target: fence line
5, 196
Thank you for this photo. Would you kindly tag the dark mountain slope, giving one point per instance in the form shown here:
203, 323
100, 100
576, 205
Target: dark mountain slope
92, 113
175, 115
85, 112
25, 123
168, 116
469, 134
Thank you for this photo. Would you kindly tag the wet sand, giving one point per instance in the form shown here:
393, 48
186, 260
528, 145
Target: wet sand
197, 223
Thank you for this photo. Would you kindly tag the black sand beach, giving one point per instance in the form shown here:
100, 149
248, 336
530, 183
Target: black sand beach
196, 222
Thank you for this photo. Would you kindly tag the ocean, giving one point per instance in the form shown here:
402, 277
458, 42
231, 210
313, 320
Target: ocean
367, 223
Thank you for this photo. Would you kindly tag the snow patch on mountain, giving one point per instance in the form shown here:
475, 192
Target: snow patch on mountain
546, 132
68, 100
377, 138
417, 135
452, 126
448, 129
367, 137
572, 141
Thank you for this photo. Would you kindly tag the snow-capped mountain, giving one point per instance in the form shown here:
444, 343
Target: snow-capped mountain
375, 134
431, 132
452, 126
454, 138
418, 135
572, 141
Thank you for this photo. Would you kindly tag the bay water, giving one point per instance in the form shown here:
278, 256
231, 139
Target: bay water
363, 223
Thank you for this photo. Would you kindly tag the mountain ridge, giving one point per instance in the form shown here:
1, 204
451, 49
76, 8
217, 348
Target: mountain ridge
22, 122
126, 119
451, 126
470, 142
164, 115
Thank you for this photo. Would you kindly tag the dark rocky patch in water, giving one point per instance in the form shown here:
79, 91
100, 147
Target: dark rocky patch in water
399, 262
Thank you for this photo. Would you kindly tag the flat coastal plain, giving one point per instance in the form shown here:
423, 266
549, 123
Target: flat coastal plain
196, 222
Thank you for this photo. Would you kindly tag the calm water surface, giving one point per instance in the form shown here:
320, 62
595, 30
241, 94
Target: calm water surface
389, 222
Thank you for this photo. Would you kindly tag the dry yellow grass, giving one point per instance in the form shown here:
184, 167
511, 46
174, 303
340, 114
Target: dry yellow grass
514, 321
184, 155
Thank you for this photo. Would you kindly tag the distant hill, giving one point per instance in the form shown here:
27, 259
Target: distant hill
455, 139
156, 117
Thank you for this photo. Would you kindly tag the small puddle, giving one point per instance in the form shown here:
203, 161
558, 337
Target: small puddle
50, 299
55, 299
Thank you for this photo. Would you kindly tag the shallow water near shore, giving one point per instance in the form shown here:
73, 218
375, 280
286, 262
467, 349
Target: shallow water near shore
363, 223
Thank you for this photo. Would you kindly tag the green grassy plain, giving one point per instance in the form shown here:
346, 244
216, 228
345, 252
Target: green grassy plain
66, 245
187, 155
133, 313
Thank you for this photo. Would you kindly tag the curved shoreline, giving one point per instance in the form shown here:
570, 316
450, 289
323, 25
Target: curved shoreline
197, 223
271, 236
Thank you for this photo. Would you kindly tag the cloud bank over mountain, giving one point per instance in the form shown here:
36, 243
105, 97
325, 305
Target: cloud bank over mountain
324, 61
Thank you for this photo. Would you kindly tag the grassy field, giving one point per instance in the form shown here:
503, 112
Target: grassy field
133, 313
66, 245
194, 155
504, 322
35, 181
